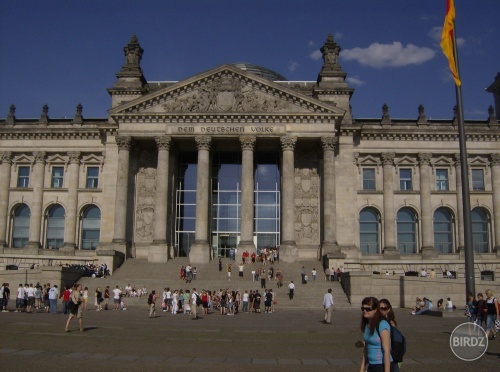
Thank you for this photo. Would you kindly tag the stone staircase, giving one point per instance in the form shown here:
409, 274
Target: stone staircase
140, 273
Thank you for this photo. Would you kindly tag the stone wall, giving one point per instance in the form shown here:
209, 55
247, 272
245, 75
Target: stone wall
401, 291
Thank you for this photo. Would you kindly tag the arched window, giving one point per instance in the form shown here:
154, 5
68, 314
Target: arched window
21, 226
55, 227
480, 231
407, 231
369, 227
91, 227
443, 231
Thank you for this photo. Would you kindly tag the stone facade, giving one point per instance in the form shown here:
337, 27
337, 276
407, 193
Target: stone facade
116, 178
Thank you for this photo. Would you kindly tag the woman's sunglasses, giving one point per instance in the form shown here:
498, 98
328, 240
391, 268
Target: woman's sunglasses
383, 308
363, 308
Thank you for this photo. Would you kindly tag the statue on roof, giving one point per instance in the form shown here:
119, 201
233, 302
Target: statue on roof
330, 51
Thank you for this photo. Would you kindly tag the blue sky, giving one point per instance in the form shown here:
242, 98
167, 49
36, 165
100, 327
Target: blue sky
65, 52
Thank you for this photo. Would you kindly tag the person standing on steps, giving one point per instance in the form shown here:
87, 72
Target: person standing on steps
291, 289
329, 306
303, 275
220, 264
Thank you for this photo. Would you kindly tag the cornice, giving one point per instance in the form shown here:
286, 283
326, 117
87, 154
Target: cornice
226, 118
56, 135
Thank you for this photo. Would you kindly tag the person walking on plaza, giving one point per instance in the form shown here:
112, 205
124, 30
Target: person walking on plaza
5, 297
303, 275
75, 307
329, 306
152, 304
117, 292
291, 289
53, 293
194, 304
491, 315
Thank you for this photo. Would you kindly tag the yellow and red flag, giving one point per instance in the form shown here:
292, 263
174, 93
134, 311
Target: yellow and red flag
448, 40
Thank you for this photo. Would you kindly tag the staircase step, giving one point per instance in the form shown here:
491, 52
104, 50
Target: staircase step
141, 273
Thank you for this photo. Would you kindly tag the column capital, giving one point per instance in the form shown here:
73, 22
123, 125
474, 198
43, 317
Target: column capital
329, 143
123, 142
74, 157
456, 158
163, 142
388, 158
288, 143
6, 157
495, 159
203, 142
40, 156
247, 142
424, 158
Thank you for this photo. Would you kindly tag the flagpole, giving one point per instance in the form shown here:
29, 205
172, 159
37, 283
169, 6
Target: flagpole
470, 283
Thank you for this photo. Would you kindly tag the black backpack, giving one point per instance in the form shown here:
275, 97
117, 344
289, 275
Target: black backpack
398, 344
198, 300
150, 299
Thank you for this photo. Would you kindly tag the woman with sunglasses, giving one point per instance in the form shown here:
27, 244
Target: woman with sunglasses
388, 312
377, 337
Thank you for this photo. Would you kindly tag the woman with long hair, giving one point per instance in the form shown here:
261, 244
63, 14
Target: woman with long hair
492, 314
387, 312
377, 338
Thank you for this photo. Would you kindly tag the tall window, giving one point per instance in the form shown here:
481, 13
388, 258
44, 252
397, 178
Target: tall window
23, 177
55, 227
91, 228
369, 227
21, 226
57, 177
368, 179
480, 231
185, 206
405, 181
442, 179
443, 231
92, 177
477, 179
267, 187
226, 202
407, 231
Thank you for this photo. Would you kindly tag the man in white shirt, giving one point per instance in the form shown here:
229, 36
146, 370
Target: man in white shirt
189, 274
20, 299
31, 298
116, 297
291, 289
329, 306
246, 296
53, 294
423, 273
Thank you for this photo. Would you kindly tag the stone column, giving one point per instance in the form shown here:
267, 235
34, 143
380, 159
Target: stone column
428, 250
158, 251
460, 204
199, 252
390, 248
247, 195
288, 247
495, 180
330, 245
5, 171
72, 207
35, 235
124, 144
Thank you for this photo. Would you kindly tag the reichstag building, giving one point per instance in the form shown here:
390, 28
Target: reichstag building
239, 158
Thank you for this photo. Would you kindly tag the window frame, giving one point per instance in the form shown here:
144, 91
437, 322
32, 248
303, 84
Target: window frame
21, 178
404, 182
440, 181
55, 178
476, 171
92, 182
369, 184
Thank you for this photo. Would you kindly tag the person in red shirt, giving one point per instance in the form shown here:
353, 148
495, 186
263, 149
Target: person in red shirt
65, 296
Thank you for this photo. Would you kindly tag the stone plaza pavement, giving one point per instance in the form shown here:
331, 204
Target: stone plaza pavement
284, 340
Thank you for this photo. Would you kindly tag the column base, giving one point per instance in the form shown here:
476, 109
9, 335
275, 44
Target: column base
246, 246
332, 250
121, 246
429, 253
391, 253
68, 249
199, 252
158, 252
288, 252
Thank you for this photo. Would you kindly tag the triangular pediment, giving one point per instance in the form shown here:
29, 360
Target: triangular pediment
22, 158
225, 90
56, 158
91, 159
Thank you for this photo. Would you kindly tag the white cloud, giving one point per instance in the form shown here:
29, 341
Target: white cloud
292, 66
338, 36
389, 55
316, 55
355, 81
311, 44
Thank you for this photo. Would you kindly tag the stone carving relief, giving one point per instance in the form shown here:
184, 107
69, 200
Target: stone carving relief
226, 94
146, 196
307, 221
